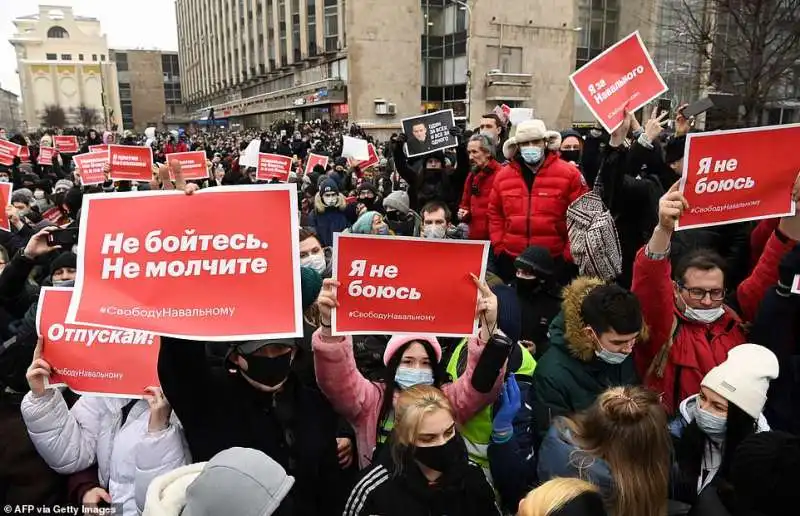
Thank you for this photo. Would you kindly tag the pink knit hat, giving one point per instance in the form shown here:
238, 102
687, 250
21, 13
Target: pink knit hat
398, 341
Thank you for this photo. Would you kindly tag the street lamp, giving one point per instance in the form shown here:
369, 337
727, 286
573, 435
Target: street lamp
464, 6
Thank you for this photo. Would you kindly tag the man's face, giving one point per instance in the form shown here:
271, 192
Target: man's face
489, 128
613, 341
420, 131
477, 154
64, 274
21, 206
3, 134
570, 143
433, 164
434, 218
701, 289
310, 246
4, 178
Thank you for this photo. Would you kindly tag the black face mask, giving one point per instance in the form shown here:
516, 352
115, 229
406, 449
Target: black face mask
529, 287
444, 457
432, 175
394, 216
368, 202
268, 371
571, 155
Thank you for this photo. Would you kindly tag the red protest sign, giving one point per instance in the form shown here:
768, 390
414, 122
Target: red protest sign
313, 160
129, 163
46, 155
391, 286
98, 148
5, 200
91, 360
25, 154
725, 179
373, 158
623, 75
66, 144
273, 166
178, 268
193, 164
55, 216
90, 167
8, 151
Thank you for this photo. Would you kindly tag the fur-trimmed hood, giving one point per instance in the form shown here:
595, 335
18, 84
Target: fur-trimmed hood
575, 339
320, 206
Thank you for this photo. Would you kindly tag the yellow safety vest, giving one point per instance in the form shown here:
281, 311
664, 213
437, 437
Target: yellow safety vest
477, 432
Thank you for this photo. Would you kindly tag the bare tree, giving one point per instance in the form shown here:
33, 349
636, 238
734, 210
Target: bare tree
54, 116
88, 116
746, 47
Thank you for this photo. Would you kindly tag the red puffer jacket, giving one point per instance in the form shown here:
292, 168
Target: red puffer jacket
519, 218
477, 204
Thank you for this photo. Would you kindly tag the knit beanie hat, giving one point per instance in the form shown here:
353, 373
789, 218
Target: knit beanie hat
23, 195
674, 149
398, 201
328, 186
67, 259
310, 285
536, 259
363, 225
63, 184
398, 341
765, 473
743, 379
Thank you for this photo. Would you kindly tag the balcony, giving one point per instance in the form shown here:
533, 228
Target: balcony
508, 86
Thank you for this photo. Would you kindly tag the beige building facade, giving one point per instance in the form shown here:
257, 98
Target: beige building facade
375, 62
62, 60
149, 88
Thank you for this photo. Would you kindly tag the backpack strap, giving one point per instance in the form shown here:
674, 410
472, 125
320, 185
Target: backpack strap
659, 363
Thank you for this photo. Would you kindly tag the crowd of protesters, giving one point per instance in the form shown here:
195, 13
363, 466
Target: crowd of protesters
621, 368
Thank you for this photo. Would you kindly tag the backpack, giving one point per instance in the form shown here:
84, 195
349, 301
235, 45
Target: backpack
593, 237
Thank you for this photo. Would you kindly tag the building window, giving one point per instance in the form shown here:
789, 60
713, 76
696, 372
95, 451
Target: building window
57, 33
102, 57
94, 57
600, 21
80, 57
52, 57
331, 27
122, 61
124, 90
66, 57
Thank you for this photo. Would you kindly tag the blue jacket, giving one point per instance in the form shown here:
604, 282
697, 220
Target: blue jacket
328, 220
559, 456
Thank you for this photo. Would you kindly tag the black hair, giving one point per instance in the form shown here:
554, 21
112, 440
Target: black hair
611, 307
439, 377
498, 122
433, 206
703, 259
690, 448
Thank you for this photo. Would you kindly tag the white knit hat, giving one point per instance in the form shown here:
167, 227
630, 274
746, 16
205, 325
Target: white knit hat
530, 130
743, 379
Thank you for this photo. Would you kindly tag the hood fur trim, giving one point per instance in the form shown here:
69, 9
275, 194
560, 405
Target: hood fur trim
320, 206
579, 344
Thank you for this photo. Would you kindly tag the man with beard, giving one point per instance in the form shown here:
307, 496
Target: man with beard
474, 208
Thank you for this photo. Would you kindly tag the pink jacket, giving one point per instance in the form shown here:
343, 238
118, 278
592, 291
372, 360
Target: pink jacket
359, 400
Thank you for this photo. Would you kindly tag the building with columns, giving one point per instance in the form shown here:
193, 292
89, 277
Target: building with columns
62, 60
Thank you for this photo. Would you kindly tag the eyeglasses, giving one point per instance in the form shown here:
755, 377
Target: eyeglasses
698, 294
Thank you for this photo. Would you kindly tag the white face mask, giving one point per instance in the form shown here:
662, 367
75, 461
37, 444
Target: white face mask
704, 315
38, 195
434, 231
315, 262
330, 199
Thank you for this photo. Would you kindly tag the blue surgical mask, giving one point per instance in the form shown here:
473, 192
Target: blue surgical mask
407, 377
711, 424
610, 357
532, 155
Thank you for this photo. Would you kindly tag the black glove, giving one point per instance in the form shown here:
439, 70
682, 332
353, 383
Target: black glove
789, 267
456, 131
468, 134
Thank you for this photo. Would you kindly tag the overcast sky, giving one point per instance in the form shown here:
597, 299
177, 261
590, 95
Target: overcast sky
141, 23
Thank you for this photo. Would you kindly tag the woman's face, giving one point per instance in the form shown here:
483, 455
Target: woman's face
710, 401
435, 429
377, 224
415, 357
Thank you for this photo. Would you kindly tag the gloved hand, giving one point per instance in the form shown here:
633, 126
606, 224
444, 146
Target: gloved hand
456, 131
788, 268
510, 403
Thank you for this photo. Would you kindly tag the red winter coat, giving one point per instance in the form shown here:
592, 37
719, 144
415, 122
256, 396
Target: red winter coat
172, 148
478, 204
696, 347
519, 218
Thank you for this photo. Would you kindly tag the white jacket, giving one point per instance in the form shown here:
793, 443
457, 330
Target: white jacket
128, 457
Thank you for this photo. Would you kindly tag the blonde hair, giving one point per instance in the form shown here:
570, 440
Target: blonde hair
412, 406
554, 495
627, 428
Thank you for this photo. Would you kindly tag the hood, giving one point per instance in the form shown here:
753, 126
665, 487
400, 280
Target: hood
166, 495
150, 132
571, 331
341, 203
686, 410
